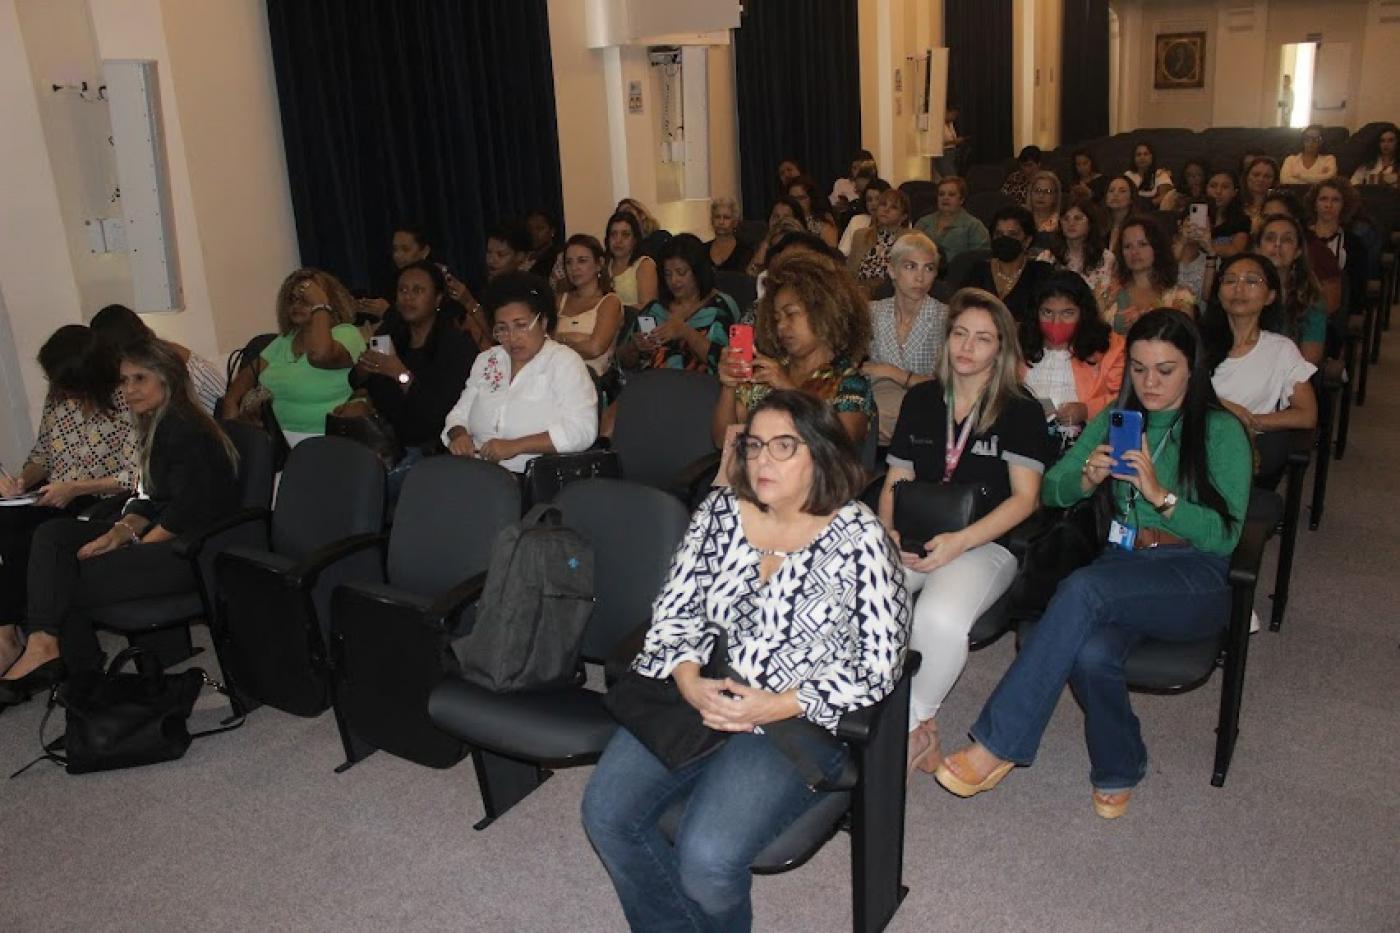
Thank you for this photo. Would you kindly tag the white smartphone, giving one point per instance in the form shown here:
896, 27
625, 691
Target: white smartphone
1199, 215
382, 343
646, 323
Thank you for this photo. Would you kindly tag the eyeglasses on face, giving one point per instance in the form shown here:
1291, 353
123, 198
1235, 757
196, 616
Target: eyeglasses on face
1042, 190
1230, 280
1311, 138
502, 331
781, 447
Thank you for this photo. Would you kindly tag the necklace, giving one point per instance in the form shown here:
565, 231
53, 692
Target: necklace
771, 552
1005, 280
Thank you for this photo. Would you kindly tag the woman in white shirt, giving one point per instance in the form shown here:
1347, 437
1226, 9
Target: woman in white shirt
1311, 165
1260, 376
528, 395
1149, 181
1379, 168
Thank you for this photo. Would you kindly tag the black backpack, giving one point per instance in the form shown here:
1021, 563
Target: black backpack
532, 613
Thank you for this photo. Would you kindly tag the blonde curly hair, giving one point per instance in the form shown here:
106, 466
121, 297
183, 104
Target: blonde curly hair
337, 295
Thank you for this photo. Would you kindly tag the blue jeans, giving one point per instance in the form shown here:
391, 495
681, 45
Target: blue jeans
1096, 617
740, 798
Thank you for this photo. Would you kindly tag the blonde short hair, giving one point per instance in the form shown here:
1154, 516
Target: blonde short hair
912, 243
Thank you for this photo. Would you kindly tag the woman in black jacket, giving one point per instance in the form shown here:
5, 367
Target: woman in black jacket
188, 482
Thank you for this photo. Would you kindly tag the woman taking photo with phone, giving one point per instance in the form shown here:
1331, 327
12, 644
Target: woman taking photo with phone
1181, 496
687, 326
972, 425
805, 585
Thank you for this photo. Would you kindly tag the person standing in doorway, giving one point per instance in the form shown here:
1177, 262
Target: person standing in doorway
1285, 101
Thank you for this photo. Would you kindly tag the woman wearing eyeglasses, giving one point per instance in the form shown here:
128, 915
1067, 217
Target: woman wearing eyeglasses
528, 395
807, 587
1312, 164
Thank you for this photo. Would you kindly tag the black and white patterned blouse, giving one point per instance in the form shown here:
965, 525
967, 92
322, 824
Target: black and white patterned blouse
833, 621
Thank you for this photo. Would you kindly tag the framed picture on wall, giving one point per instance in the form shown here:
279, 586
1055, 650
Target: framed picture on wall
1181, 61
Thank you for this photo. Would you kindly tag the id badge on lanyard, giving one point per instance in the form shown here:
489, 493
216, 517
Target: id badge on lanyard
1121, 534
953, 452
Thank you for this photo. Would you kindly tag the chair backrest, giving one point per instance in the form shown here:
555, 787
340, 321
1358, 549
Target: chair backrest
985, 178
663, 423
634, 530
751, 232
245, 355
961, 267
446, 522
922, 195
984, 204
740, 286
254, 463
331, 488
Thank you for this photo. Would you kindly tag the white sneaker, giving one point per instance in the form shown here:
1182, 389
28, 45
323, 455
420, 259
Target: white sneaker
1254, 625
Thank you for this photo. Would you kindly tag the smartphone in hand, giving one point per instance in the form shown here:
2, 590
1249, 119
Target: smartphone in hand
382, 343
741, 345
1124, 434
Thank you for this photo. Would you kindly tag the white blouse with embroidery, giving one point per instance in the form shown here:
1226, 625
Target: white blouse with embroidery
832, 621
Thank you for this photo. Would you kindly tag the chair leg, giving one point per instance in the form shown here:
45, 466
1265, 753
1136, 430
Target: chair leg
1323, 459
1377, 316
170, 645
504, 782
356, 748
1292, 506
1232, 683
1363, 358
877, 820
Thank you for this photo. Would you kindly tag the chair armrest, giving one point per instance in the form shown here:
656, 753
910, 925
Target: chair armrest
856, 726
442, 615
1300, 445
1332, 373
1249, 554
190, 544
304, 575
692, 476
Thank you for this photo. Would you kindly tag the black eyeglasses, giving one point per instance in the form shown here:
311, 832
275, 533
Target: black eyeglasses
781, 447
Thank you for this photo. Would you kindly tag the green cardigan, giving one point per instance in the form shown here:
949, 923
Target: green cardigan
963, 234
1231, 460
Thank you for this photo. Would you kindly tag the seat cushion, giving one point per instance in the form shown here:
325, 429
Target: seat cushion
556, 726
795, 845
1165, 665
140, 615
277, 563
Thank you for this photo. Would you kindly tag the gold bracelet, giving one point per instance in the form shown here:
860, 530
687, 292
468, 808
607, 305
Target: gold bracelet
131, 531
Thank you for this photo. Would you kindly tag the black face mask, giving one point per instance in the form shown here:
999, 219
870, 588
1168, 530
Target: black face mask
1006, 248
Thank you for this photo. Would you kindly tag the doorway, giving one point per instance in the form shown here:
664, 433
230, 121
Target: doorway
1313, 83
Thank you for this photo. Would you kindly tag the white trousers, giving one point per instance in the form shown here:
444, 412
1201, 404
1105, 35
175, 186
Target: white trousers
949, 601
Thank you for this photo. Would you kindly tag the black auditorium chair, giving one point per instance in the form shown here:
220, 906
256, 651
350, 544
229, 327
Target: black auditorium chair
272, 599
958, 272
982, 178
391, 634
514, 737
161, 624
872, 811
740, 286
1166, 667
1284, 457
984, 204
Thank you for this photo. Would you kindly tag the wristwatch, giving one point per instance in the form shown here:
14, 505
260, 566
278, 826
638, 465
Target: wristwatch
1167, 502
404, 377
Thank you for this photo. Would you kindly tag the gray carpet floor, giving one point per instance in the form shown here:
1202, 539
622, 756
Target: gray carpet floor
254, 831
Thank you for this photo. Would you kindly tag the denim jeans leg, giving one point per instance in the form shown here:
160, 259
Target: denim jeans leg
748, 794
1112, 733
627, 794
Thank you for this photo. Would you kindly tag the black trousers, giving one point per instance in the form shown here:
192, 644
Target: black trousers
17, 527
61, 586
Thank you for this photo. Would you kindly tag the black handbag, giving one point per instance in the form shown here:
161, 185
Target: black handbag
924, 510
372, 430
546, 474
1072, 541
119, 719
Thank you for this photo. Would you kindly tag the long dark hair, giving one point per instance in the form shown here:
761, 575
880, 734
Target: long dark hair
1193, 468
798, 211
1215, 323
1235, 209
624, 217
1149, 177
78, 364
1302, 289
1091, 335
1164, 265
688, 248
1094, 243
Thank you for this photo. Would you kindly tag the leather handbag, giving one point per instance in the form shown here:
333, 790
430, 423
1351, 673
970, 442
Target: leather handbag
1074, 540
121, 719
924, 510
372, 430
546, 474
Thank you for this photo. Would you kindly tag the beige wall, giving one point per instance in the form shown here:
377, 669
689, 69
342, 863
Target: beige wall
892, 32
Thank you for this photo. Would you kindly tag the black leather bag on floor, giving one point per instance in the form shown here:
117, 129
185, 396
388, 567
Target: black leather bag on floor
123, 719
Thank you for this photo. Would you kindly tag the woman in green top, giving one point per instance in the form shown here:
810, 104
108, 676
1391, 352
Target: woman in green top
306, 368
1283, 240
1167, 577
952, 229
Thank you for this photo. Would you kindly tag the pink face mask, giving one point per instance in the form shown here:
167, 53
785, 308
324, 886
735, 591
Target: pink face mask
1058, 332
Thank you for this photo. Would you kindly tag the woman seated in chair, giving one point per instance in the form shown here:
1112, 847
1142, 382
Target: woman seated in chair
1118, 203
805, 583
1194, 175
187, 482
415, 376
306, 369
784, 217
1088, 182
1080, 247
1150, 182
122, 326
907, 329
1229, 226
727, 254
864, 213
633, 273
951, 228
869, 260
1311, 164
1010, 273
812, 334
1380, 166
1337, 254
508, 246
1258, 372
86, 448
1043, 201
590, 313
973, 425
1179, 511
528, 395
1282, 240
1074, 360
688, 325
653, 235
1147, 275
820, 220
1260, 178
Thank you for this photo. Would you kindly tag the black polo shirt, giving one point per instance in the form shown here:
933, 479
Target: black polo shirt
1018, 437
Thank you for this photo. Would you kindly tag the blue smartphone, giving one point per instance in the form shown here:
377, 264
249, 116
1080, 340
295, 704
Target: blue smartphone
1124, 434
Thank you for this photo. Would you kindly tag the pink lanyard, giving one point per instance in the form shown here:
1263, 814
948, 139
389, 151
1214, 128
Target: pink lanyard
953, 453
